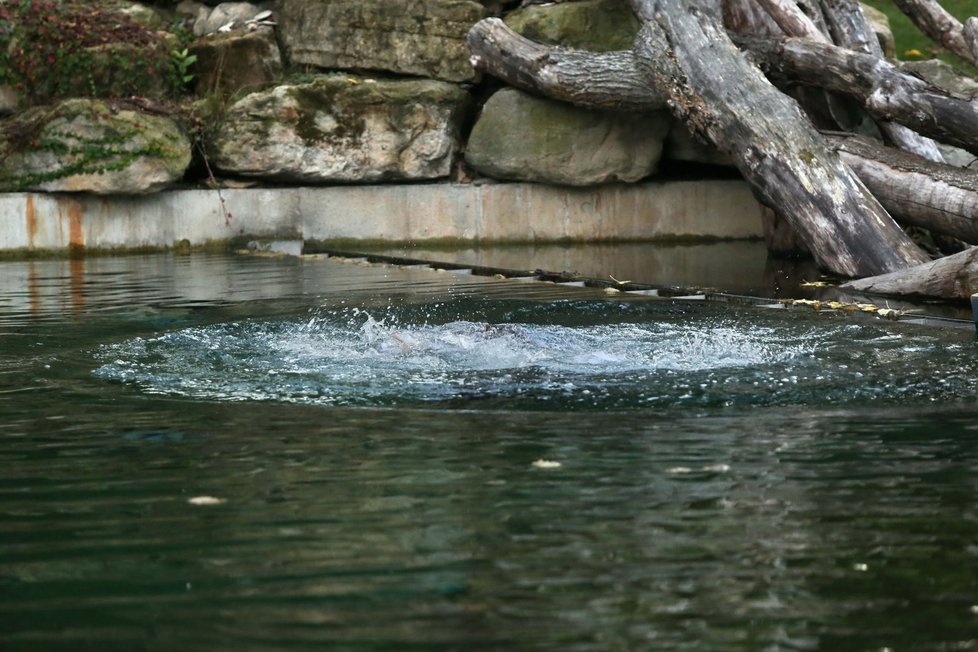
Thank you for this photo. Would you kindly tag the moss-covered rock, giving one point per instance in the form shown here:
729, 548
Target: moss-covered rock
421, 37
339, 128
91, 146
596, 25
524, 138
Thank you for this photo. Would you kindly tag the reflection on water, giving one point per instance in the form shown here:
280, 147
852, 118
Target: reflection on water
830, 506
738, 267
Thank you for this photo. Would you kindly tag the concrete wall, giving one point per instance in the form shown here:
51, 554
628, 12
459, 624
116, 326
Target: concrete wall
511, 212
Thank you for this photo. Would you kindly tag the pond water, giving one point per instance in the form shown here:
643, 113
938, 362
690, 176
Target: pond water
248, 453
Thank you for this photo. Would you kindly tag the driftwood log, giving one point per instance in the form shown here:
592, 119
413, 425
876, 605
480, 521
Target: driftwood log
604, 81
715, 91
915, 191
884, 90
825, 187
951, 277
836, 232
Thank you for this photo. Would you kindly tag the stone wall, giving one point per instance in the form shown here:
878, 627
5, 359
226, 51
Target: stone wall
320, 92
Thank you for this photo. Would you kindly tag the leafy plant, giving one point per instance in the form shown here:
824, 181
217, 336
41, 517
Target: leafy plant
183, 60
52, 49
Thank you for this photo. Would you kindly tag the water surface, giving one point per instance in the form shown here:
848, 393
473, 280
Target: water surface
213, 452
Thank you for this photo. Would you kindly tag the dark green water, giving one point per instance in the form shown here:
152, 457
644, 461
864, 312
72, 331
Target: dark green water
729, 479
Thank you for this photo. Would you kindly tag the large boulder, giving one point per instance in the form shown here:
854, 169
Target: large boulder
520, 137
91, 146
240, 60
595, 25
416, 37
343, 129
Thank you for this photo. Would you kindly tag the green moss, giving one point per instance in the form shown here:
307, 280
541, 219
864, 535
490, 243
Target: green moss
326, 102
596, 25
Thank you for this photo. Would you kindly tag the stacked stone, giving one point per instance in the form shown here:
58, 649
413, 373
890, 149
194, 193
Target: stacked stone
380, 91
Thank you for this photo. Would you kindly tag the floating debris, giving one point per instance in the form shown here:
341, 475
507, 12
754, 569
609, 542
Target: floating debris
862, 568
206, 501
546, 464
709, 468
717, 468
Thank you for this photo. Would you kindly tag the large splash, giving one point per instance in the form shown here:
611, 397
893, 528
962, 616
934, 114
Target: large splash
353, 357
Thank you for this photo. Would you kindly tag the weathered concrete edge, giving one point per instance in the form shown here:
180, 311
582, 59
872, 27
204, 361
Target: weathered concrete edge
487, 213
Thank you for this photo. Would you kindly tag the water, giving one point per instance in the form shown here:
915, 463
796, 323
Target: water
209, 453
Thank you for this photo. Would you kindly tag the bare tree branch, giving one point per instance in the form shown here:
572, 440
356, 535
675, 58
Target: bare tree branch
934, 21
608, 80
719, 94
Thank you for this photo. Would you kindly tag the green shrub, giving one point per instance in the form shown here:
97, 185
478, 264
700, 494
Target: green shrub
53, 49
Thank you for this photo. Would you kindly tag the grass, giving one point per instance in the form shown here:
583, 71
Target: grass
912, 44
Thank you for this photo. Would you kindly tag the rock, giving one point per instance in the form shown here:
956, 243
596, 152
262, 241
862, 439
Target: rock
91, 146
421, 37
343, 129
881, 25
596, 25
958, 157
524, 138
236, 14
942, 75
236, 61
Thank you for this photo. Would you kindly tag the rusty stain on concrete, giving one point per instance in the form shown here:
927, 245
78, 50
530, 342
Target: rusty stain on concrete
30, 213
76, 234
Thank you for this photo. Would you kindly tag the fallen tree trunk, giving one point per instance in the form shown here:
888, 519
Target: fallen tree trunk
934, 21
913, 190
607, 81
747, 17
717, 93
885, 91
852, 31
951, 277
938, 197
792, 20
